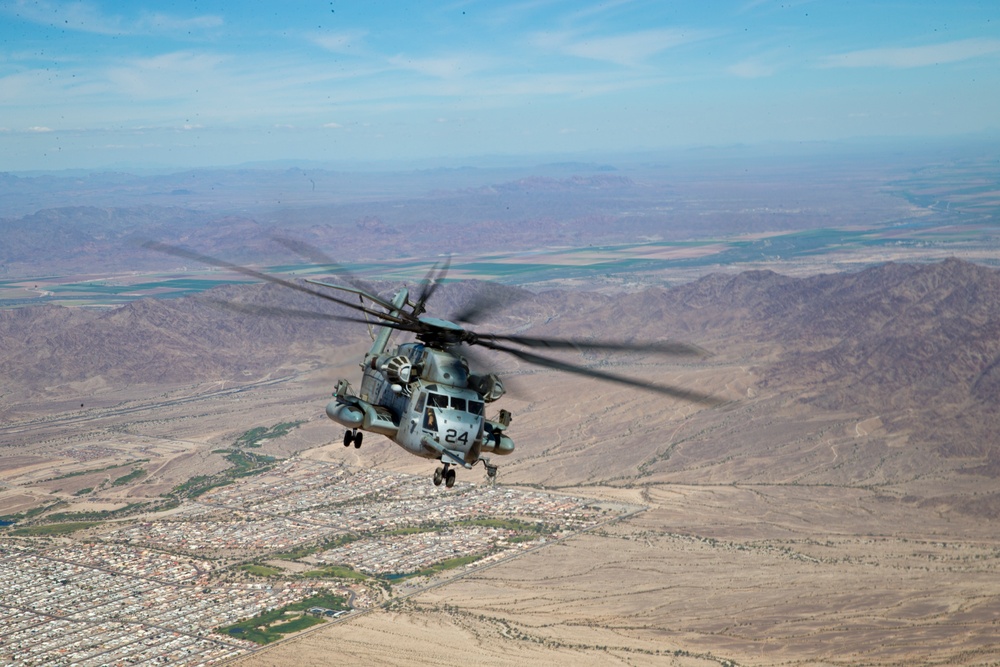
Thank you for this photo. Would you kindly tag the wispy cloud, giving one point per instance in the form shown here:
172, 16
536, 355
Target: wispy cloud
170, 75
442, 67
629, 49
752, 68
87, 17
347, 42
915, 56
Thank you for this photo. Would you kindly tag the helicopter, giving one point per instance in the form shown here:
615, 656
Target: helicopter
422, 394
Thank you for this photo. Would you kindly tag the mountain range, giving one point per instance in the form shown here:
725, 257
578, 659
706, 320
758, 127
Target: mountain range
914, 347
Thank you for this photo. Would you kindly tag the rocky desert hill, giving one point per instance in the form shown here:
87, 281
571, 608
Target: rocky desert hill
886, 376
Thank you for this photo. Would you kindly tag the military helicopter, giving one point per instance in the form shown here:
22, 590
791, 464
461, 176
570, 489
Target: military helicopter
422, 394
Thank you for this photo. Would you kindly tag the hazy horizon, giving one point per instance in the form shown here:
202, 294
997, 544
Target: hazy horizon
93, 85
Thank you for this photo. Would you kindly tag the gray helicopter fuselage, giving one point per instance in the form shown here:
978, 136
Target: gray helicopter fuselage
420, 397
437, 404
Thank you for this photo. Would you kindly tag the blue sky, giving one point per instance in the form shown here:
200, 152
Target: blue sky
95, 83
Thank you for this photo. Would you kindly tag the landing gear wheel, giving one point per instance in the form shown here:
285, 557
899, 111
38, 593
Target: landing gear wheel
449, 479
348, 438
438, 476
358, 437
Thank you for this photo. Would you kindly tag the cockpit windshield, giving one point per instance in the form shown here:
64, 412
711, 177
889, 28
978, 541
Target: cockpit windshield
454, 403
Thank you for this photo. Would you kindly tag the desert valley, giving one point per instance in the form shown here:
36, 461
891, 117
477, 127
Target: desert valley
162, 424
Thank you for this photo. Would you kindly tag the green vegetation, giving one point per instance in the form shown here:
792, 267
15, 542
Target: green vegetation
269, 626
308, 550
335, 572
138, 473
99, 515
196, 486
296, 624
449, 564
244, 463
260, 570
413, 530
255, 436
84, 491
8, 519
53, 529
80, 473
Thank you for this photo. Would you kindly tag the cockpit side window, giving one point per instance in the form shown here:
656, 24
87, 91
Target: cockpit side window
420, 402
476, 407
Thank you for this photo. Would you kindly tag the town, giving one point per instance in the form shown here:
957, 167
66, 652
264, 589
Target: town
162, 589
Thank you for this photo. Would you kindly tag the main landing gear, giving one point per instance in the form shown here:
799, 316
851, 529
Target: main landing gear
445, 473
354, 436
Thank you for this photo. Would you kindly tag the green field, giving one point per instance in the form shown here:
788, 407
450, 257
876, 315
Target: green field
53, 529
271, 626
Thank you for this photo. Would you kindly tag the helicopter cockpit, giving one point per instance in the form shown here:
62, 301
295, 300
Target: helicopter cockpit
459, 413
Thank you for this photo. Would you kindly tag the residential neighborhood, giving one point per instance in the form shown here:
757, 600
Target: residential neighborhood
156, 590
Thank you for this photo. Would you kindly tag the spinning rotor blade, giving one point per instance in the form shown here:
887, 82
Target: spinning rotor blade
248, 309
547, 362
430, 284
317, 256
482, 305
666, 347
212, 261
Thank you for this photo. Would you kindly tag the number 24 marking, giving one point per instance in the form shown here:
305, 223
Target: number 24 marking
454, 437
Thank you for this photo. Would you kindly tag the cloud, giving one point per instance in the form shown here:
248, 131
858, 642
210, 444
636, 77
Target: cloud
169, 75
157, 23
915, 56
628, 49
443, 67
348, 42
752, 69
87, 17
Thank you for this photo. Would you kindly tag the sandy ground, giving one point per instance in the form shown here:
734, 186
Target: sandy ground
755, 576
787, 566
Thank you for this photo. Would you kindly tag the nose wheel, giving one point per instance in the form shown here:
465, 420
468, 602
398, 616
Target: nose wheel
445, 474
354, 436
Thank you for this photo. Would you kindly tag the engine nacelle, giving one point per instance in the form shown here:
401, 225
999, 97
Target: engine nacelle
398, 370
489, 386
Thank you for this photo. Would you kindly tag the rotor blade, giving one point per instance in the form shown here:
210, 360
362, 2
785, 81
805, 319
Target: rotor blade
317, 256
249, 309
430, 284
212, 261
547, 362
401, 316
512, 387
482, 305
665, 347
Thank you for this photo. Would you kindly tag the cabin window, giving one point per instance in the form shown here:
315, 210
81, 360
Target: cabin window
420, 402
476, 407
